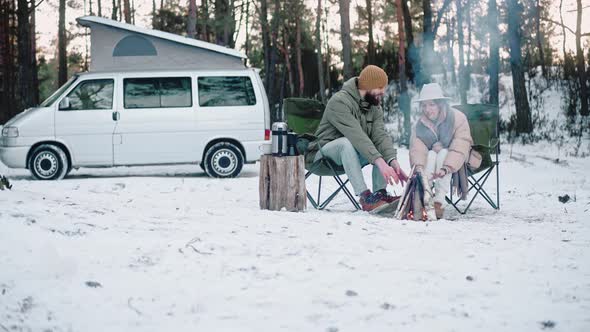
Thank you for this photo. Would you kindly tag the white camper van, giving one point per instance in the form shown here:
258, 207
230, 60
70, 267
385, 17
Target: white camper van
217, 119
149, 98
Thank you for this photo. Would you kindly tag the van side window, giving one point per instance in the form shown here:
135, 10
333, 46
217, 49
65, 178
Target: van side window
226, 91
91, 95
159, 92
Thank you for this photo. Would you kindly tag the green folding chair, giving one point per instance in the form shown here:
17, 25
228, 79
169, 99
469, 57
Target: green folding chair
303, 117
484, 124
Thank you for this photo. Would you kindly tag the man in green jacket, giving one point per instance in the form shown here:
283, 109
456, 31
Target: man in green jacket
352, 134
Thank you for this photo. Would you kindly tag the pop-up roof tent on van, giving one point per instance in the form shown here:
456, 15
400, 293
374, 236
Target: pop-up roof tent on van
117, 46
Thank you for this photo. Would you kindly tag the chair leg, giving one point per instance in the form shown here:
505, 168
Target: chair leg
318, 204
477, 184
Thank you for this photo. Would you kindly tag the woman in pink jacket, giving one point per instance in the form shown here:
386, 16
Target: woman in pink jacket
440, 142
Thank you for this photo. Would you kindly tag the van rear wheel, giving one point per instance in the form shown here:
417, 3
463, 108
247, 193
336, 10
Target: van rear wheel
223, 160
48, 162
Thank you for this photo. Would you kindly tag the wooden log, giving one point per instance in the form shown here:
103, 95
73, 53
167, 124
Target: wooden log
282, 183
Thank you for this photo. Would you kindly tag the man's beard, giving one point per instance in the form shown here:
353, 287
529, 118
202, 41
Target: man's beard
372, 99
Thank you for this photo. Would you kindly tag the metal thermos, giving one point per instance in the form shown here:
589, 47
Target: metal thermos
279, 139
292, 144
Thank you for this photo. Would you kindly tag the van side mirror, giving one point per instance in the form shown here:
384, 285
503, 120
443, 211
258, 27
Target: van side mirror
64, 104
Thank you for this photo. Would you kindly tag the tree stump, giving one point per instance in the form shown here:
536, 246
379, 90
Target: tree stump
282, 183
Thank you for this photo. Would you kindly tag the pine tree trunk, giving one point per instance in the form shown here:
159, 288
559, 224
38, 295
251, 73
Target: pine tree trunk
133, 12
563, 30
192, 19
62, 76
90, 8
298, 56
319, 53
154, 22
494, 66
404, 99
120, 10
247, 43
274, 59
285, 50
468, 64
35, 78
411, 55
25, 77
114, 12
7, 108
539, 39
127, 11
584, 111
371, 51
346, 40
205, 27
524, 122
266, 49
328, 53
99, 7
462, 71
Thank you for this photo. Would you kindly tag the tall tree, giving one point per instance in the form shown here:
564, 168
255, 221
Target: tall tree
274, 57
247, 43
371, 50
412, 54
461, 40
62, 55
562, 29
584, 111
225, 23
192, 19
35, 74
468, 62
300, 75
266, 47
25, 77
346, 40
127, 11
205, 31
99, 7
114, 12
319, 52
524, 122
404, 99
539, 38
494, 66
154, 15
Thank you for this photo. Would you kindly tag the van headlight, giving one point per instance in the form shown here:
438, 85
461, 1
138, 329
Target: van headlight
10, 132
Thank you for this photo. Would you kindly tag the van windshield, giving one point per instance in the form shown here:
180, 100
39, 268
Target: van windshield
59, 92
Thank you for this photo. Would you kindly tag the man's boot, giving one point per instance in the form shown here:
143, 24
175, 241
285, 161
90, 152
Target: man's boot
372, 202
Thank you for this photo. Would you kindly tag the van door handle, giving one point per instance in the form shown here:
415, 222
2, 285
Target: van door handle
116, 116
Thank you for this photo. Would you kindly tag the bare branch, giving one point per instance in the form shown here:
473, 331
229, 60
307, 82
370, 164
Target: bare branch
561, 25
575, 10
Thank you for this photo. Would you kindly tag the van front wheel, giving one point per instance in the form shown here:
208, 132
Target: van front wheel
223, 160
48, 162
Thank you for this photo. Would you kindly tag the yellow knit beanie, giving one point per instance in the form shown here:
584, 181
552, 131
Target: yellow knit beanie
372, 77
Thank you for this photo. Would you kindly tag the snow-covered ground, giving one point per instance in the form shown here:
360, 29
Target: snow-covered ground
169, 249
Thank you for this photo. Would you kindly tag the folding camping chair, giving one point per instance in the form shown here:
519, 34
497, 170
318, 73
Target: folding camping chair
303, 117
484, 124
